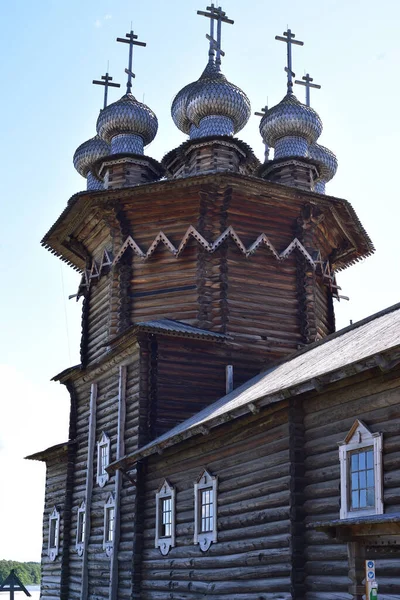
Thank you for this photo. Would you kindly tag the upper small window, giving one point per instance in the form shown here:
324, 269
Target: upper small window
361, 472
205, 508
103, 459
165, 518
80, 529
54, 534
109, 525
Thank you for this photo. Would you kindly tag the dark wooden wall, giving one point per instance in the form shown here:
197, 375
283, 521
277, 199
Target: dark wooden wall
252, 558
56, 477
375, 399
190, 374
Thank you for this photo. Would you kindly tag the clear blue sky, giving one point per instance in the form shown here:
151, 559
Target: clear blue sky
51, 50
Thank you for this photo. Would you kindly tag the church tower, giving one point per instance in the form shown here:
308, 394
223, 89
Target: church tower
197, 273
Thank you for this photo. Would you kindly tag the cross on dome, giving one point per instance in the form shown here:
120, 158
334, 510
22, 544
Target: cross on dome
132, 41
307, 84
106, 83
289, 40
218, 15
263, 111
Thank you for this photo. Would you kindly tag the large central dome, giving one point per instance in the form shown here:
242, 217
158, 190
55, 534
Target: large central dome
211, 99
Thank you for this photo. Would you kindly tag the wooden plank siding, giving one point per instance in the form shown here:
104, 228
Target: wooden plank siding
373, 398
252, 557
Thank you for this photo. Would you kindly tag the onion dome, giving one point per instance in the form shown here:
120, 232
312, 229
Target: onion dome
127, 125
86, 155
327, 163
178, 108
292, 121
211, 106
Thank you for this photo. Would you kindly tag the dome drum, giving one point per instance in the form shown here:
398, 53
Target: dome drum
291, 146
93, 183
127, 143
213, 125
319, 186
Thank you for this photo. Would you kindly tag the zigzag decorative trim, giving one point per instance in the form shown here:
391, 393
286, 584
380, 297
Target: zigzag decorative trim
211, 247
322, 267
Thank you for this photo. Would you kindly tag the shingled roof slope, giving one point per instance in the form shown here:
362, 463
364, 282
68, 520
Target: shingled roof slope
359, 342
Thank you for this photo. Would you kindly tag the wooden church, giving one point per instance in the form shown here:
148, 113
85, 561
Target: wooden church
224, 441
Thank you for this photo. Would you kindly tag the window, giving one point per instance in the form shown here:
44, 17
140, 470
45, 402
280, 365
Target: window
109, 525
205, 508
165, 518
80, 529
54, 534
103, 459
361, 472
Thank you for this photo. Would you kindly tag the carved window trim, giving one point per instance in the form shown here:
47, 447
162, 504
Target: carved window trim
103, 459
360, 438
109, 525
54, 534
202, 507
80, 528
165, 542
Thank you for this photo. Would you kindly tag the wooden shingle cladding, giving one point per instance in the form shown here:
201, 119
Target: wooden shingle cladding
252, 557
373, 397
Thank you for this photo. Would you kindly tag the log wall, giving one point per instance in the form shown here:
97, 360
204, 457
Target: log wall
252, 558
56, 477
190, 374
374, 399
98, 564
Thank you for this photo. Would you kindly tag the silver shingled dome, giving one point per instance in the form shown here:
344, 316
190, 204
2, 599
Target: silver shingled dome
127, 116
290, 118
87, 153
326, 159
211, 95
178, 108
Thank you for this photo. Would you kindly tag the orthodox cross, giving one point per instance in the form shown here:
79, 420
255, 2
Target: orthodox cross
263, 111
107, 83
131, 40
215, 14
307, 84
12, 583
289, 40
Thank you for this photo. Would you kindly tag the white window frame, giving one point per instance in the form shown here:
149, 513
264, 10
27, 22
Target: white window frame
53, 549
108, 545
205, 538
81, 518
359, 438
165, 543
104, 442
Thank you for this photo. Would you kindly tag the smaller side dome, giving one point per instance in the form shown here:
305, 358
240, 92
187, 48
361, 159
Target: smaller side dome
127, 116
178, 108
290, 118
88, 153
326, 159
214, 95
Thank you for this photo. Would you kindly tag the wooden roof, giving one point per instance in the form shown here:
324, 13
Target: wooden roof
84, 204
51, 452
372, 342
